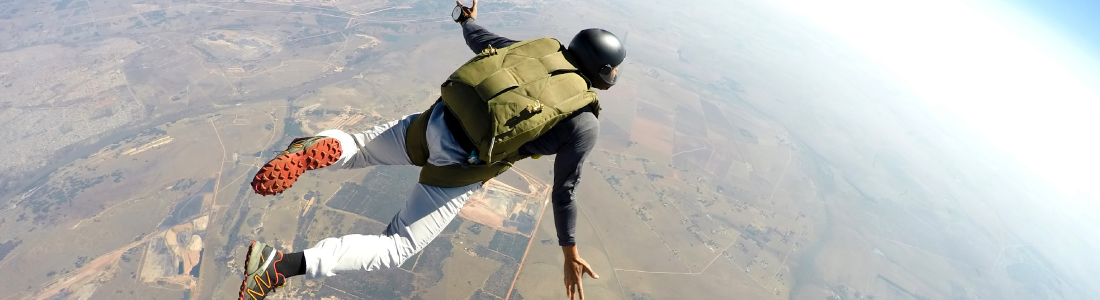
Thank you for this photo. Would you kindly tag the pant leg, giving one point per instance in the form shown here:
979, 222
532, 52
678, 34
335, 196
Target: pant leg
428, 210
382, 145
385, 144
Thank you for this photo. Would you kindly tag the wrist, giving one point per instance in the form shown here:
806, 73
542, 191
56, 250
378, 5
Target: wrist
569, 251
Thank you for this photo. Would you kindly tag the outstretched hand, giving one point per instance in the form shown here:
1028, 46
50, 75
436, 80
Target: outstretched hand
575, 268
468, 13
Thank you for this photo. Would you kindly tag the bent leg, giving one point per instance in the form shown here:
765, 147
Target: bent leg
382, 145
427, 211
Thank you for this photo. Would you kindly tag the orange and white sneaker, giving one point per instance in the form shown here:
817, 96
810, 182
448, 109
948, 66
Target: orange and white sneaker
261, 277
306, 153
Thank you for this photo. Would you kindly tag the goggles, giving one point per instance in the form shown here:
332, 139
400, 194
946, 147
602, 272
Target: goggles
608, 74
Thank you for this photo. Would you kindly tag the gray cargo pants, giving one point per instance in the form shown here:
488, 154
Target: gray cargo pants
428, 209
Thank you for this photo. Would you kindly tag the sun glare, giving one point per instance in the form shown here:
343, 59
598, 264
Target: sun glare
1000, 82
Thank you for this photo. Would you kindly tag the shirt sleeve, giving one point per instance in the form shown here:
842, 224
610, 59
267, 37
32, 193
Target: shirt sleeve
478, 38
571, 140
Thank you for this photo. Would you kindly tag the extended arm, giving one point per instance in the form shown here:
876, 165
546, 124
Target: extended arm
583, 130
478, 38
571, 140
567, 173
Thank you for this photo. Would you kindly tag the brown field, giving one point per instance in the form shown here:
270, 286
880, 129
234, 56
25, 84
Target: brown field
654, 136
652, 112
465, 238
719, 164
477, 213
692, 153
615, 129
474, 270
622, 102
690, 122
497, 201
620, 228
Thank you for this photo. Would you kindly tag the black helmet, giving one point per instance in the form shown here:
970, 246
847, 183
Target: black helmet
597, 52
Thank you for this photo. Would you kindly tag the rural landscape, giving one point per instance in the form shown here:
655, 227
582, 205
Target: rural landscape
743, 155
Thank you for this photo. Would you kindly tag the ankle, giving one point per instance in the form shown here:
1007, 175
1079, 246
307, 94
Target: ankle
292, 264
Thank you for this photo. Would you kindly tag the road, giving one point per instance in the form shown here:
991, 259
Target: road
545, 195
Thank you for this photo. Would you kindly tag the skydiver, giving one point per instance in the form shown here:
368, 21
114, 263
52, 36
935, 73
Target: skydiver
547, 106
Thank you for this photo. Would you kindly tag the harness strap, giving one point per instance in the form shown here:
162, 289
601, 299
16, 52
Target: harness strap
416, 138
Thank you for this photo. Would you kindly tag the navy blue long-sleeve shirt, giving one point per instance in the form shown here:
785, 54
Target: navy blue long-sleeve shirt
571, 140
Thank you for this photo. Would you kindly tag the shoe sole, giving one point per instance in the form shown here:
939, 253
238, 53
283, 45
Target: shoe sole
247, 264
280, 173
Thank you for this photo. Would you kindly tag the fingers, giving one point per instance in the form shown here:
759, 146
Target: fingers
591, 273
588, 269
474, 5
569, 292
459, 3
580, 290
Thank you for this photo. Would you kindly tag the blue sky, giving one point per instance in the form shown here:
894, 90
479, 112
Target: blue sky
1024, 74
1079, 20
1068, 28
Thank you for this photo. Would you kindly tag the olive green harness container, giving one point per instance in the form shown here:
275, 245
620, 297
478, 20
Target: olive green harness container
503, 98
